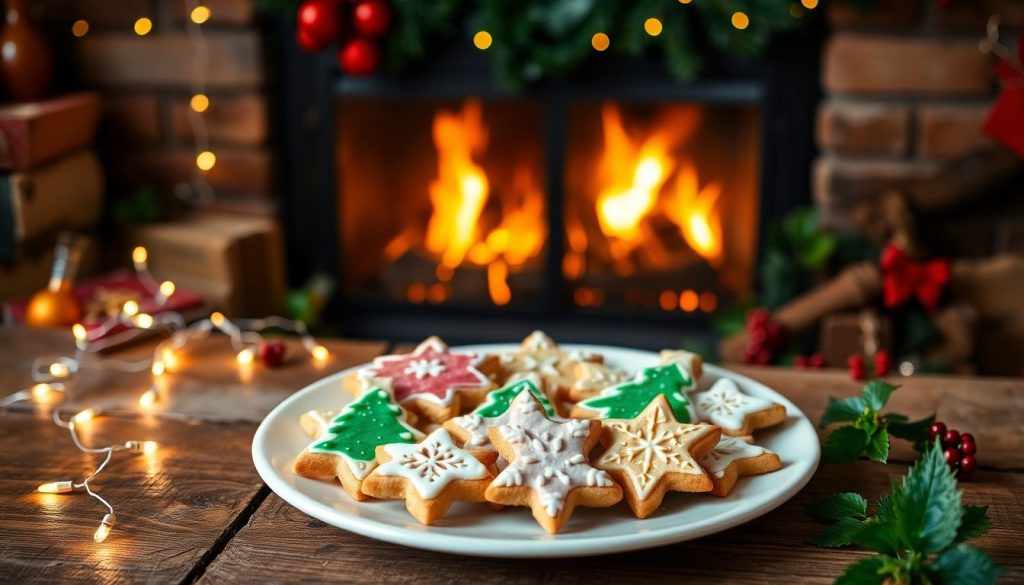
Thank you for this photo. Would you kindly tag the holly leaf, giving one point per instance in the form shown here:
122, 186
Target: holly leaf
878, 446
845, 409
974, 523
844, 445
916, 432
927, 506
842, 533
878, 535
876, 393
885, 506
839, 506
816, 251
964, 565
867, 571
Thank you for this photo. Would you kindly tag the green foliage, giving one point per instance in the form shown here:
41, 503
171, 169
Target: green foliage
870, 430
918, 531
142, 206
795, 247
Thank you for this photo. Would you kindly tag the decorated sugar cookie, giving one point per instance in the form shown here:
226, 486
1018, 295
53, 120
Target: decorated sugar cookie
737, 413
471, 429
591, 378
628, 399
432, 382
652, 453
548, 468
733, 458
538, 354
689, 360
346, 448
316, 422
429, 475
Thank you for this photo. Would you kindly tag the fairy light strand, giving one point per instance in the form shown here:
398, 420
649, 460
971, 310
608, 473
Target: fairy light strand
55, 376
199, 192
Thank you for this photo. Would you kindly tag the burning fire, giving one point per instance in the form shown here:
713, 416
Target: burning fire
459, 232
636, 175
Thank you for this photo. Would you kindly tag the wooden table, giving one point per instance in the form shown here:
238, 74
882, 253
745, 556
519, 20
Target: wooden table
198, 512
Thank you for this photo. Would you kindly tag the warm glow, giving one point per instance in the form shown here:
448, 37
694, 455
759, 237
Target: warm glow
667, 300
84, 416
685, 1
169, 358
319, 353
149, 447
205, 160
104, 529
740, 20
652, 26
482, 40
199, 103
56, 487
139, 256
78, 330
130, 308
200, 14
809, 4
217, 318
600, 42
143, 26
167, 288
245, 357
59, 370
41, 392
708, 301
695, 211
689, 301
148, 399
143, 321
158, 368
80, 28
497, 275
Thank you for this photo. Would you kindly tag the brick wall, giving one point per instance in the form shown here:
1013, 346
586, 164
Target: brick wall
906, 87
145, 82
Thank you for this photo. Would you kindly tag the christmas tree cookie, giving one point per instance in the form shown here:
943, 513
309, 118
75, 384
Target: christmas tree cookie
346, 449
548, 469
538, 354
733, 458
652, 454
432, 382
471, 429
430, 475
628, 399
737, 413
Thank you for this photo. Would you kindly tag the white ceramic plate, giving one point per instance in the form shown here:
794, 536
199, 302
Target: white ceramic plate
473, 529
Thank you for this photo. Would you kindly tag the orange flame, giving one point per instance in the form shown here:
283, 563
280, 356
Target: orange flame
695, 211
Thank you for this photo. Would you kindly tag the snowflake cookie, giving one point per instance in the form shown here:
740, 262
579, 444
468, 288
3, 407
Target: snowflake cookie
539, 354
346, 446
652, 454
548, 469
733, 458
431, 382
430, 475
737, 413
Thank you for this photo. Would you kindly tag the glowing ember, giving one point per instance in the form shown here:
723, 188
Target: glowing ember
695, 212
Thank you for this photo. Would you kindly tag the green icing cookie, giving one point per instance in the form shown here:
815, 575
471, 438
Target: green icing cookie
372, 419
629, 399
497, 402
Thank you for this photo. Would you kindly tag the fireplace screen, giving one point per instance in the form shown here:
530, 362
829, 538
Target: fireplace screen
447, 202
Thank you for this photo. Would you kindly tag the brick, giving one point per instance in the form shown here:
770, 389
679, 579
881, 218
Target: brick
119, 60
856, 63
222, 12
1010, 238
840, 184
102, 13
238, 171
948, 131
973, 15
864, 128
229, 120
132, 119
876, 14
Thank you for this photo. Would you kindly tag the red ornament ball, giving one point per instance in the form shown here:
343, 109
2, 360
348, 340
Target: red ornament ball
308, 43
371, 18
321, 20
272, 353
358, 57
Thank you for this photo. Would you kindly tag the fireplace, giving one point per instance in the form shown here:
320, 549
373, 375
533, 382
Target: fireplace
629, 210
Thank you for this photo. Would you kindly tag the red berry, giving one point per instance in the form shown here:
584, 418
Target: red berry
967, 437
758, 336
774, 331
951, 438
308, 43
758, 317
272, 353
358, 57
817, 361
968, 447
966, 467
881, 364
764, 357
801, 362
371, 18
937, 429
321, 20
857, 373
952, 457
855, 361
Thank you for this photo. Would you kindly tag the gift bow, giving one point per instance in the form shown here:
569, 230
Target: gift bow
904, 278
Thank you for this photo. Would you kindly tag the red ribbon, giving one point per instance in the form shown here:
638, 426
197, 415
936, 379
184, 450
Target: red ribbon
904, 278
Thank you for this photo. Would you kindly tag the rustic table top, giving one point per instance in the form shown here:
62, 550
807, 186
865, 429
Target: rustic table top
196, 511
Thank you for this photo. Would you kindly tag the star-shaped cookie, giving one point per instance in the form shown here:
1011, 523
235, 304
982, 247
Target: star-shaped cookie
652, 454
345, 449
430, 475
471, 429
737, 413
539, 354
592, 378
733, 458
548, 468
432, 382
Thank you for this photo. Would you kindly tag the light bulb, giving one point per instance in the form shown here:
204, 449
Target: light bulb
320, 353
143, 321
205, 160
80, 28
130, 308
148, 399
167, 288
217, 318
84, 416
139, 257
104, 529
143, 26
56, 487
200, 14
482, 40
59, 370
41, 391
245, 357
199, 103
158, 368
149, 447
78, 330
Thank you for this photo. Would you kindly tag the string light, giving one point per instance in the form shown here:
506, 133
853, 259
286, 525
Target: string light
148, 398
652, 26
740, 20
56, 487
139, 258
59, 370
809, 4
199, 103
245, 357
320, 353
144, 321
41, 391
143, 26
84, 416
482, 40
600, 41
198, 191
685, 1
78, 330
80, 28
104, 529
205, 160
167, 288
200, 14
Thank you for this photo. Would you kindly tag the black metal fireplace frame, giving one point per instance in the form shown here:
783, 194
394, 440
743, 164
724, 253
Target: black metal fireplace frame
783, 83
